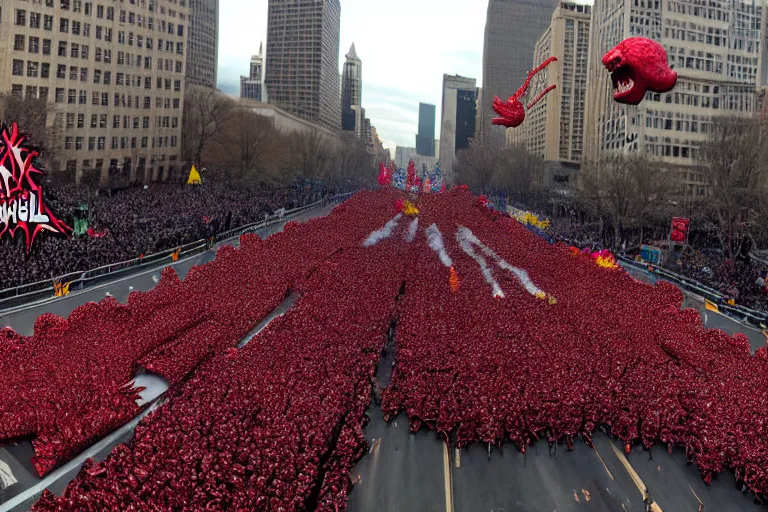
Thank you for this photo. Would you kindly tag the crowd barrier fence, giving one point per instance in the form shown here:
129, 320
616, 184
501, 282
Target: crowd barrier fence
756, 318
33, 292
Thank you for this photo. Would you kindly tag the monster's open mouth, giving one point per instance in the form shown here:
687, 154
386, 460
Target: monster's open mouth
623, 81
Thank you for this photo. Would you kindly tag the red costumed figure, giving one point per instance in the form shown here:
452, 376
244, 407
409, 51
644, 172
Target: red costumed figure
513, 112
638, 65
410, 179
385, 178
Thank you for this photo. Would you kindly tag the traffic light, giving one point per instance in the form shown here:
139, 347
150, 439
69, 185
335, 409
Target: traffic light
680, 229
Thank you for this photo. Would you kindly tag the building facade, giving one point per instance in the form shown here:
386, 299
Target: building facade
554, 127
113, 75
252, 86
717, 50
512, 28
351, 94
459, 115
302, 74
203, 41
425, 139
404, 155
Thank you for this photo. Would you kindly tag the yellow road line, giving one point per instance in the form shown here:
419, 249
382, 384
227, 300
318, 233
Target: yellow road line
604, 465
447, 477
633, 475
458, 458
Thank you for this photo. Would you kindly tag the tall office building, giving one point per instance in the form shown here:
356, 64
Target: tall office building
459, 112
554, 127
352, 118
717, 51
203, 37
113, 75
425, 139
252, 86
511, 30
303, 59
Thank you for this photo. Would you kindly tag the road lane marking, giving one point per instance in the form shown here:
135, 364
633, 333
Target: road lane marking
458, 458
633, 475
604, 465
447, 478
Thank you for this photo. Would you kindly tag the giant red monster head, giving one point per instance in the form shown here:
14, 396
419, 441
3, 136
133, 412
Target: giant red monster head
638, 65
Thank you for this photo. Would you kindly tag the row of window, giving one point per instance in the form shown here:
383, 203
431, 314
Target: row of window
125, 122
99, 143
36, 69
146, 22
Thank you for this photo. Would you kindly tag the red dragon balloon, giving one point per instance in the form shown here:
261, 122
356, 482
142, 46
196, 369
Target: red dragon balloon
512, 112
638, 65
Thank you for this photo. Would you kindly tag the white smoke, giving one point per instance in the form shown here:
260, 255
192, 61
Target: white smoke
383, 233
435, 241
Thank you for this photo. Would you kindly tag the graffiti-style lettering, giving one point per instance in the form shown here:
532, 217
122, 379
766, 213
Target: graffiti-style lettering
22, 203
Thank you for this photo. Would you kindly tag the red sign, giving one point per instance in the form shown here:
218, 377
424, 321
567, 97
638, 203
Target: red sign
680, 229
22, 205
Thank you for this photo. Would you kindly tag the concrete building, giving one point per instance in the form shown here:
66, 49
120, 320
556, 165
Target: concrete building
717, 50
404, 155
459, 114
302, 75
203, 42
252, 86
113, 75
511, 30
425, 139
352, 117
554, 127
286, 122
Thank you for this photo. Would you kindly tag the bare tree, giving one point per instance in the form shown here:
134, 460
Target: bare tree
206, 111
628, 190
312, 154
354, 165
522, 174
734, 166
246, 142
477, 165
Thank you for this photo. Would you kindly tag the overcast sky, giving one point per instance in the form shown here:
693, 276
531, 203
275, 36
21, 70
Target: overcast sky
405, 46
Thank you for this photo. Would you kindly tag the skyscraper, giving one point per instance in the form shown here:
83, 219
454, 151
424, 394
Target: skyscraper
459, 114
512, 28
203, 37
554, 127
303, 59
425, 139
252, 86
717, 53
351, 94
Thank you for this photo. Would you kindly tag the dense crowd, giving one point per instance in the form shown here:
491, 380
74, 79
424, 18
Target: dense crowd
140, 221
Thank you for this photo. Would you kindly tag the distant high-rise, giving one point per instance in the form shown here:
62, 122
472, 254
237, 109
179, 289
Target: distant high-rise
203, 42
302, 74
252, 86
351, 94
425, 139
459, 114
512, 28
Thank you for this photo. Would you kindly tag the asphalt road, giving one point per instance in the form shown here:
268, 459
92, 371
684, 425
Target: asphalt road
18, 479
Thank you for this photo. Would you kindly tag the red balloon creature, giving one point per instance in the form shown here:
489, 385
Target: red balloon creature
512, 112
638, 65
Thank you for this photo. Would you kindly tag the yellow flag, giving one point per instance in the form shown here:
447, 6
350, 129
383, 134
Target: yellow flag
65, 289
711, 306
194, 177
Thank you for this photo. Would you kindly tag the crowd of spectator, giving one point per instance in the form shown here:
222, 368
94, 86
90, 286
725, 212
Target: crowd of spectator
140, 221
